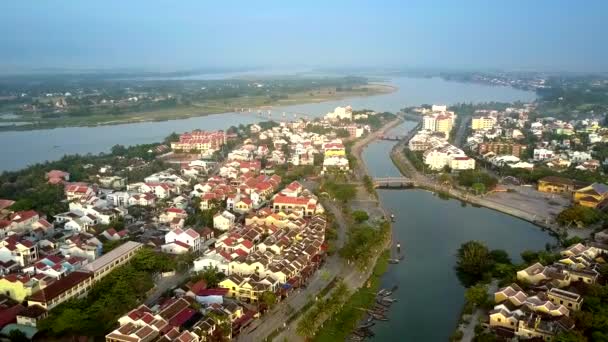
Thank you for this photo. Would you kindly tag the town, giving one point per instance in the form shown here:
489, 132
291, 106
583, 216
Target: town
217, 227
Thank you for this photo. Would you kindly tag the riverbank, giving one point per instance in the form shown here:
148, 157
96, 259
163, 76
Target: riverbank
253, 103
421, 181
343, 323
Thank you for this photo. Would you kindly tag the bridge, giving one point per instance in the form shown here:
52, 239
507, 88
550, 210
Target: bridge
393, 183
391, 137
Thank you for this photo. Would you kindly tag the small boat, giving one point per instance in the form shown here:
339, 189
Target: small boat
393, 217
381, 292
386, 305
380, 318
367, 325
393, 261
389, 300
387, 293
359, 333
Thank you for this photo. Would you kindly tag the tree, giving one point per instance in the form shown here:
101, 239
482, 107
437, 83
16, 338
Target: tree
579, 215
211, 276
474, 261
477, 295
570, 336
268, 298
500, 256
17, 336
360, 216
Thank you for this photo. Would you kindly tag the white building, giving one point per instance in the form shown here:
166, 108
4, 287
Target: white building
541, 154
340, 113
178, 239
223, 221
462, 163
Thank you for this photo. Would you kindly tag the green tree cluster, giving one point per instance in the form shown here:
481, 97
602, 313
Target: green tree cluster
579, 216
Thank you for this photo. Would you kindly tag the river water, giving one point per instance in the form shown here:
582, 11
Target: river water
430, 230
22, 148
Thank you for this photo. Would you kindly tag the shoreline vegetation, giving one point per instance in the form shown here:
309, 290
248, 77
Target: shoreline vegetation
211, 107
340, 323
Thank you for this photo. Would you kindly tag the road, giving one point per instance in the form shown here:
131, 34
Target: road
164, 284
462, 128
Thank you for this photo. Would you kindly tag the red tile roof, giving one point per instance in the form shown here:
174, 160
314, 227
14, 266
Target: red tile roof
60, 286
5, 203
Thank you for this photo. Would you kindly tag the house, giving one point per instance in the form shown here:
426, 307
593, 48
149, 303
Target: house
534, 325
31, 315
243, 206
538, 273
555, 184
540, 154
19, 286
502, 317
76, 191
57, 176
21, 251
212, 259
592, 196
180, 241
572, 301
223, 221
335, 163
247, 288
172, 213
305, 206
144, 200
112, 234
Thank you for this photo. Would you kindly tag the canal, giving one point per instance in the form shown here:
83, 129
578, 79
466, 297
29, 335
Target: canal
430, 230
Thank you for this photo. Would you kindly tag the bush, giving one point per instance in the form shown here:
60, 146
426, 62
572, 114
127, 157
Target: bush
457, 335
360, 216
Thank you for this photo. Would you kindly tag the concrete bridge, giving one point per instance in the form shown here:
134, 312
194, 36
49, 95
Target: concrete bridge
391, 137
393, 183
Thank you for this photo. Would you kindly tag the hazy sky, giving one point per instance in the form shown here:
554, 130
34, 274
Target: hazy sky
471, 34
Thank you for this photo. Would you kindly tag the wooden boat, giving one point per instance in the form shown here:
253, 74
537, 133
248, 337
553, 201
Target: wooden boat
393, 261
367, 325
389, 300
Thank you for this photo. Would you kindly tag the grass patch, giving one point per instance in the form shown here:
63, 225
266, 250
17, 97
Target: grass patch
345, 321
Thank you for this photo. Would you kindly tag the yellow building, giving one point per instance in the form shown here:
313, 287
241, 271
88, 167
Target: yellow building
483, 123
247, 289
571, 300
18, 287
443, 124
591, 196
554, 184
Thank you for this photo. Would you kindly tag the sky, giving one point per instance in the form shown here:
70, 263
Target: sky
530, 35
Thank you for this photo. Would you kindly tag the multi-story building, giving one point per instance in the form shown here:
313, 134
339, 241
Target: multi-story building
200, 141
501, 148
117, 257
483, 123
74, 285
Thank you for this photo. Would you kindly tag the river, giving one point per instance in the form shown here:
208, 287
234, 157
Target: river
22, 148
430, 230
